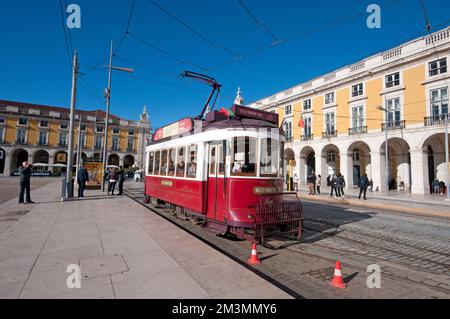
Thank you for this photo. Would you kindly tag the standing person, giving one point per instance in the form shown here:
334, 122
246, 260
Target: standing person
25, 180
112, 181
363, 184
340, 184
371, 185
287, 181
318, 184
82, 178
333, 186
121, 179
311, 180
296, 180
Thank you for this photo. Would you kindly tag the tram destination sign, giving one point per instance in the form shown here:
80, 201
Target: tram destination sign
248, 112
181, 127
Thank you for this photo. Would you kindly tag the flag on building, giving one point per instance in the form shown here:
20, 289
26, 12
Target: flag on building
301, 123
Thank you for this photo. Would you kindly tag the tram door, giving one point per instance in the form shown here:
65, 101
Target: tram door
216, 183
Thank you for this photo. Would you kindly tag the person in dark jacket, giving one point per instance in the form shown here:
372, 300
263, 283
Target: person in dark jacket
363, 184
333, 186
82, 179
121, 179
24, 180
340, 184
112, 181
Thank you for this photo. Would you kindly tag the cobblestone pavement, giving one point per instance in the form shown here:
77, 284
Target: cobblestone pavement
412, 251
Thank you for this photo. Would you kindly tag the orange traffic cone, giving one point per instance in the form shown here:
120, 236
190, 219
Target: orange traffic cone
254, 260
337, 281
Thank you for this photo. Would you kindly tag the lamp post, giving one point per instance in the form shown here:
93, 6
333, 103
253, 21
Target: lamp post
386, 151
108, 101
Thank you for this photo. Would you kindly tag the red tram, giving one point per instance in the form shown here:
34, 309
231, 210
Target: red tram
224, 172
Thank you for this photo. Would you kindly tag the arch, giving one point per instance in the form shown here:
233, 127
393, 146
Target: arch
75, 156
41, 156
399, 163
289, 154
97, 156
2, 160
359, 162
434, 145
17, 158
128, 161
307, 162
114, 159
332, 160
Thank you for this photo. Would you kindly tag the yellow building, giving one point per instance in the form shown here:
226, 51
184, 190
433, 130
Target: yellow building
346, 114
40, 134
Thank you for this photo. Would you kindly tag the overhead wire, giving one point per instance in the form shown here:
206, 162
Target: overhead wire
258, 22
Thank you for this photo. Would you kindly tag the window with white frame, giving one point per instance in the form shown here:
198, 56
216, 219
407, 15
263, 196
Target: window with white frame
83, 127
43, 123
288, 130
62, 139
115, 143
99, 129
63, 126
130, 144
307, 104
2, 132
329, 98
21, 136
356, 155
23, 121
43, 138
308, 126
83, 139
131, 132
438, 67
98, 141
330, 123
393, 108
392, 80
288, 110
439, 102
116, 130
2, 120
357, 90
358, 117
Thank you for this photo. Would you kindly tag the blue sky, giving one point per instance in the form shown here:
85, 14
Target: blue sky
34, 65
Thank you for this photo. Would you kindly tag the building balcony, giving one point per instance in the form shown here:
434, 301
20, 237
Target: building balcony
394, 125
357, 130
21, 142
308, 137
329, 134
288, 139
437, 119
42, 144
62, 144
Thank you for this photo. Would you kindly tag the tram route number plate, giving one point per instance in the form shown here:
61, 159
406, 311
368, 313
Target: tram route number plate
167, 183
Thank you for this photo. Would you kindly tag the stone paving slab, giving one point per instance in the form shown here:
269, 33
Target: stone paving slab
123, 250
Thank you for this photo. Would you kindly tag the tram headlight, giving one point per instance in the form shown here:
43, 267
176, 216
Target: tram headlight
250, 216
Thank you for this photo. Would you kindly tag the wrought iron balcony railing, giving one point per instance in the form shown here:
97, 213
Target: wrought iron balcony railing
357, 130
393, 125
437, 119
307, 137
329, 134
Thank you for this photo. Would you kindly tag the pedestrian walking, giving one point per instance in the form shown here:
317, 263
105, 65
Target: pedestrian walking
82, 179
287, 181
311, 180
112, 181
319, 184
363, 184
25, 181
296, 180
340, 184
120, 180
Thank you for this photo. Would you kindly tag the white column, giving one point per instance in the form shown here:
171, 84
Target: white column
7, 169
378, 175
302, 174
346, 168
419, 180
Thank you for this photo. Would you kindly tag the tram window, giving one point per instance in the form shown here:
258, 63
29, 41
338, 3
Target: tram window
269, 158
151, 157
220, 160
212, 161
192, 161
181, 164
157, 162
164, 162
171, 162
243, 159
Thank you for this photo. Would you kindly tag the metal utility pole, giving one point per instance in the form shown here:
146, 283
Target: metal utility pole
447, 168
108, 101
69, 184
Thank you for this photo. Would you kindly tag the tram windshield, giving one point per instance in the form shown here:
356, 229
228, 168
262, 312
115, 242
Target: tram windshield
243, 156
269, 158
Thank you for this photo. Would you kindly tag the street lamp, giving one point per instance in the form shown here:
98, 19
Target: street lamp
108, 100
386, 155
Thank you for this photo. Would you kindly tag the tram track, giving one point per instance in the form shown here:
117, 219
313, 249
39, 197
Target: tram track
267, 271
